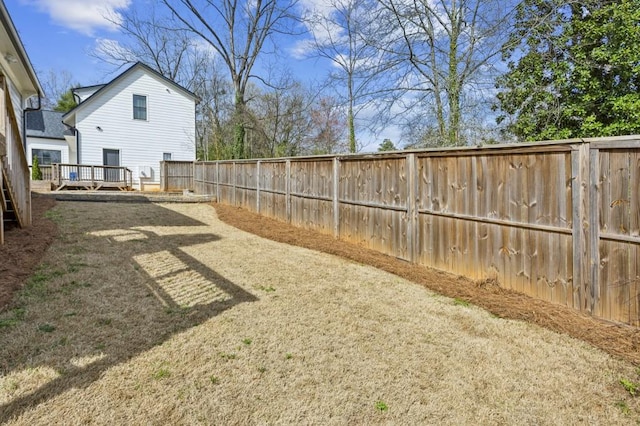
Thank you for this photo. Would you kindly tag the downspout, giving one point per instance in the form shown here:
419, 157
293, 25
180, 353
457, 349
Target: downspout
75, 130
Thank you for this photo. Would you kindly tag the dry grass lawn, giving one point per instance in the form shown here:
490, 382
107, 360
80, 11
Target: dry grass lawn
162, 314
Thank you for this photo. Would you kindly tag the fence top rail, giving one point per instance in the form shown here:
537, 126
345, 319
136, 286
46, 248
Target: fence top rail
564, 145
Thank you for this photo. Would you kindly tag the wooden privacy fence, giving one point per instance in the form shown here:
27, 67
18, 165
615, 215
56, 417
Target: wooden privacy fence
176, 175
559, 221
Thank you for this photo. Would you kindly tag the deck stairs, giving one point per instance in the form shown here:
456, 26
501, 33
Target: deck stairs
9, 216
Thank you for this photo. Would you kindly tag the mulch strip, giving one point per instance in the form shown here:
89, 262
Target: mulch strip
619, 340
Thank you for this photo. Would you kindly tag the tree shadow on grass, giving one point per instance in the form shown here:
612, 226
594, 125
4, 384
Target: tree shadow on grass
124, 285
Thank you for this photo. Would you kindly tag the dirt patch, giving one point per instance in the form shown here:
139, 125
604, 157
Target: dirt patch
23, 249
619, 340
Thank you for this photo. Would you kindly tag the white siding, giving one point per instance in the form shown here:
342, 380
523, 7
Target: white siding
107, 122
18, 105
44, 143
84, 92
73, 155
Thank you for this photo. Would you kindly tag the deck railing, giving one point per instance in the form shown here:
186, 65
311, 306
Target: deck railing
47, 171
90, 176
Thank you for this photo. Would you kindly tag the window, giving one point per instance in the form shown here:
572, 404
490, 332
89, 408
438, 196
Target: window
47, 156
166, 156
139, 107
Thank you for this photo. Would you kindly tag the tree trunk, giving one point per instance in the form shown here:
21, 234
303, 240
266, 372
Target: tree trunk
453, 82
453, 94
352, 129
239, 130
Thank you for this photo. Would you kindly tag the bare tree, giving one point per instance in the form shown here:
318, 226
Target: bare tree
281, 117
451, 47
214, 113
238, 31
328, 128
55, 85
154, 40
343, 33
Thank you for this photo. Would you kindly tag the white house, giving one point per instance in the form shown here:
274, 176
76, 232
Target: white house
137, 120
18, 83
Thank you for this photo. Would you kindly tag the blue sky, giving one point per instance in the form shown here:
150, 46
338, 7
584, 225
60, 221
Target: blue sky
60, 42
57, 39
60, 34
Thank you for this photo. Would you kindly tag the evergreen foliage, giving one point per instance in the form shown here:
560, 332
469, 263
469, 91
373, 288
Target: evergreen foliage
573, 70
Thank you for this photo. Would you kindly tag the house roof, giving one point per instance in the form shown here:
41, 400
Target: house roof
136, 66
94, 86
14, 59
46, 124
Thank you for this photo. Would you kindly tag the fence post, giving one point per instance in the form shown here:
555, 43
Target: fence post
218, 181
594, 231
580, 199
163, 186
233, 187
288, 189
412, 228
193, 177
258, 186
336, 198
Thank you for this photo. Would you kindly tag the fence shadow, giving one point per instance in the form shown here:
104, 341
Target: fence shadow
129, 290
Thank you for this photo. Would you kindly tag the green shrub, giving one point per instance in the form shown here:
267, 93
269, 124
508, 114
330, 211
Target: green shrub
36, 172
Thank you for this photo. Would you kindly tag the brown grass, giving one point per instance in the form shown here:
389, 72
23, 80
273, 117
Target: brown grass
617, 339
162, 314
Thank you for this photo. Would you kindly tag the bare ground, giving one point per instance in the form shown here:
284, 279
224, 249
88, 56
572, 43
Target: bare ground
24, 248
162, 314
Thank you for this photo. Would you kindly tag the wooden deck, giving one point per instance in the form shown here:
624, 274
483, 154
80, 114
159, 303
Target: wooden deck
89, 177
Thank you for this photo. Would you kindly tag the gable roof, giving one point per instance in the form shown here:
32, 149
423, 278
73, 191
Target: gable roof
46, 124
20, 66
136, 66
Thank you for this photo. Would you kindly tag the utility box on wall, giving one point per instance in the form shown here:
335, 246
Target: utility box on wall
146, 172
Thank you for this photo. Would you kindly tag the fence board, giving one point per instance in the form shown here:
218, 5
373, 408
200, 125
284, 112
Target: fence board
312, 195
604, 223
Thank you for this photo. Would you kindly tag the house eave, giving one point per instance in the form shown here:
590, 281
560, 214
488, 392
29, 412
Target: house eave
14, 59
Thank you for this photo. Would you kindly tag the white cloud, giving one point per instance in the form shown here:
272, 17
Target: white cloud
84, 16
